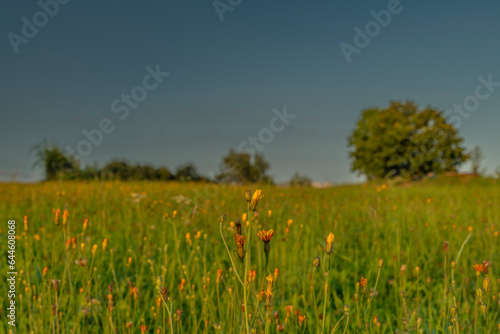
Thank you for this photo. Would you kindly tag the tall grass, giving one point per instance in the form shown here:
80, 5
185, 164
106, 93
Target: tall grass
164, 267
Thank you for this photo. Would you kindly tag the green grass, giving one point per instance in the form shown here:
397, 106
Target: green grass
405, 226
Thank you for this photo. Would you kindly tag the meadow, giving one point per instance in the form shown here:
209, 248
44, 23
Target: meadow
148, 257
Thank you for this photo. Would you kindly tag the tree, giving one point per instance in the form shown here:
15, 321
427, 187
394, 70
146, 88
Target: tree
56, 164
163, 174
404, 141
476, 156
298, 180
187, 173
241, 168
118, 169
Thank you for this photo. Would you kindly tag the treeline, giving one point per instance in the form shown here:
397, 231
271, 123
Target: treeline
236, 167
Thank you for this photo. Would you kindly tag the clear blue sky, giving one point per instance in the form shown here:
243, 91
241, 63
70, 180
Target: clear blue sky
226, 77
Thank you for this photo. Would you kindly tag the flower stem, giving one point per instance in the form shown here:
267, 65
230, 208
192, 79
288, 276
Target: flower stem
230, 257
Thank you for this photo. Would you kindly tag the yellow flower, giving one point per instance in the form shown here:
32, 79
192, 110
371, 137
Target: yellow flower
329, 243
255, 199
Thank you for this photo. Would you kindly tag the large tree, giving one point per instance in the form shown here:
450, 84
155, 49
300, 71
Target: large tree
240, 167
55, 164
402, 140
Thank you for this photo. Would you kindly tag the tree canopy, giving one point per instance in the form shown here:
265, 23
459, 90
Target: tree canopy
402, 140
240, 167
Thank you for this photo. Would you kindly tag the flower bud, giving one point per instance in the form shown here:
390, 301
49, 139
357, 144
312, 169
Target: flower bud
222, 218
248, 195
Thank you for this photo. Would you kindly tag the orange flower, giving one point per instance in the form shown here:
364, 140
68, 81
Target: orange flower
219, 275
363, 281
240, 240
265, 236
479, 268
57, 214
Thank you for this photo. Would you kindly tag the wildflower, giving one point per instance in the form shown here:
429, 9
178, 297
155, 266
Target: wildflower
105, 244
363, 281
479, 268
301, 318
217, 327
251, 275
380, 263
26, 223
255, 200
143, 329
237, 231
445, 246
81, 262
164, 293
479, 293
65, 217
57, 214
453, 265
269, 279
85, 223
222, 218
44, 271
483, 309
281, 327
276, 273
182, 284
346, 310
453, 311
240, 240
269, 297
266, 236
94, 249
248, 195
316, 262
486, 284
188, 239
329, 243
219, 275
269, 213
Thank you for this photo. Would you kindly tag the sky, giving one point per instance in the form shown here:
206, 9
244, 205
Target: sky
170, 82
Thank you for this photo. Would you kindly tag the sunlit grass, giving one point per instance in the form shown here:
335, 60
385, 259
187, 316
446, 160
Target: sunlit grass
149, 258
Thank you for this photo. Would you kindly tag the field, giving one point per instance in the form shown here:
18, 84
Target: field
149, 258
